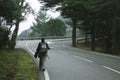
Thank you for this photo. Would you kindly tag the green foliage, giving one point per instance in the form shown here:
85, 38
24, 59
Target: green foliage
12, 12
22, 10
39, 26
3, 37
101, 19
55, 27
73, 9
6, 6
33, 34
46, 26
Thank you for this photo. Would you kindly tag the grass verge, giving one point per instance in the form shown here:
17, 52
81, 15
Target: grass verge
17, 65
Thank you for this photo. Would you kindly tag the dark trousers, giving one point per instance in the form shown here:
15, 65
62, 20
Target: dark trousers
42, 61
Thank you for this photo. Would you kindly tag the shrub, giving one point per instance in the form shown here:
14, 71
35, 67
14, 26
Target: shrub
3, 37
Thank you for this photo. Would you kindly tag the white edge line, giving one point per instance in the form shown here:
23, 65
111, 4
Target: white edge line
112, 69
83, 58
98, 53
63, 52
46, 75
63, 45
30, 50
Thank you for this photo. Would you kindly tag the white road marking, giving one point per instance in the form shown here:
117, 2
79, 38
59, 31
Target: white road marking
46, 75
49, 42
26, 44
63, 52
83, 58
112, 69
63, 45
30, 50
98, 53
77, 57
51, 47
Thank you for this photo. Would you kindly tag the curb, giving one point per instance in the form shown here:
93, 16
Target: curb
45, 73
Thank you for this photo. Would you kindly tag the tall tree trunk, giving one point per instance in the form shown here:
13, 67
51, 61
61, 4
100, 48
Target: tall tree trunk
14, 35
86, 36
115, 37
116, 42
108, 43
93, 44
74, 32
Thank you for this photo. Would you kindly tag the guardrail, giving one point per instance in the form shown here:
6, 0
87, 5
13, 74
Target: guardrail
37, 38
47, 37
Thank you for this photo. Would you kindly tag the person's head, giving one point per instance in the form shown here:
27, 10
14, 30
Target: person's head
42, 40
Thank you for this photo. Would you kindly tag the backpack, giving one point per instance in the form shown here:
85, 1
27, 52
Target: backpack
43, 48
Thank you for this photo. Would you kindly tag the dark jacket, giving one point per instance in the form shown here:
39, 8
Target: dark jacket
39, 48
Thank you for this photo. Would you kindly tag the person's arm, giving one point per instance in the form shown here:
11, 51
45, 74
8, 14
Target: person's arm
37, 50
47, 46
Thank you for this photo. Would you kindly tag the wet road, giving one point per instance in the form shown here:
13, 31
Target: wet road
68, 63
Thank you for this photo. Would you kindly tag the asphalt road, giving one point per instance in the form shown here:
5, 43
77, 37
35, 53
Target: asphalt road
68, 63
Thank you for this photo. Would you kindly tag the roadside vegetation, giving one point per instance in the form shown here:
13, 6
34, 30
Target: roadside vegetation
12, 13
100, 47
17, 65
47, 26
99, 19
96, 19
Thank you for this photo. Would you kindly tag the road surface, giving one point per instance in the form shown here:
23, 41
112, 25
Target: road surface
68, 63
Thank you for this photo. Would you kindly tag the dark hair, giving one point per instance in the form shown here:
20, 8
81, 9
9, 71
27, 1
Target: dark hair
42, 39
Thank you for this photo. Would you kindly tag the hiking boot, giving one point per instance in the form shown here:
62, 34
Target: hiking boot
42, 69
